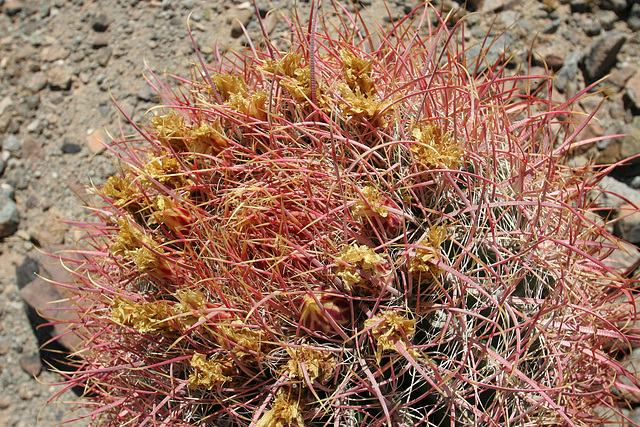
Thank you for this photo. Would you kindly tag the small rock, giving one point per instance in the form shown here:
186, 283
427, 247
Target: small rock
46, 228
103, 57
4, 103
569, 71
591, 27
53, 53
100, 22
32, 149
95, 141
492, 5
12, 7
44, 9
240, 19
4, 346
59, 78
5, 402
32, 365
11, 143
32, 102
579, 6
551, 27
633, 90
619, 77
601, 55
552, 55
25, 391
607, 19
633, 21
100, 41
618, 6
71, 148
147, 93
9, 218
36, 82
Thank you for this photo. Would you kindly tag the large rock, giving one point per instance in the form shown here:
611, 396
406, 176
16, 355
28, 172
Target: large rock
628, 223
633, 90
47, 299
622, 147
601, 55
615, 194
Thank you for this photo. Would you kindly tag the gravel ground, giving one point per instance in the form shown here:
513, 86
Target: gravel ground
63, 63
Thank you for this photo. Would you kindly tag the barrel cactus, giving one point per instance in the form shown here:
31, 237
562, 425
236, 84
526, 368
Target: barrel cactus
359, 227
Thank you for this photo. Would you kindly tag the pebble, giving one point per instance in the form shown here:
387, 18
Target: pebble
95, 141
9, 217
241, 18
619, 77
633, 90
618, 6
579, 6
100, 22
633, 21
59, 78
5, 402
53, 53
4, 346
601, 55
12, 7
607, 19
551, 27
146, 93
591, 27
11, 143
31, 149
103, 56
25, 391
100, 41
71, 148
31, 364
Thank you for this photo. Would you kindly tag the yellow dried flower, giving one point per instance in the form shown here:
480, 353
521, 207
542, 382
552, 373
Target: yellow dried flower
161, 316
435, 149
357, 73
173, 131
143, 250
428, 250
360, 105
390, 328
286, 409
297, 79
210, 373
373, 203
367, 261
244, 342
235, 94
146, 317
318, 364
124, 193
167, 171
